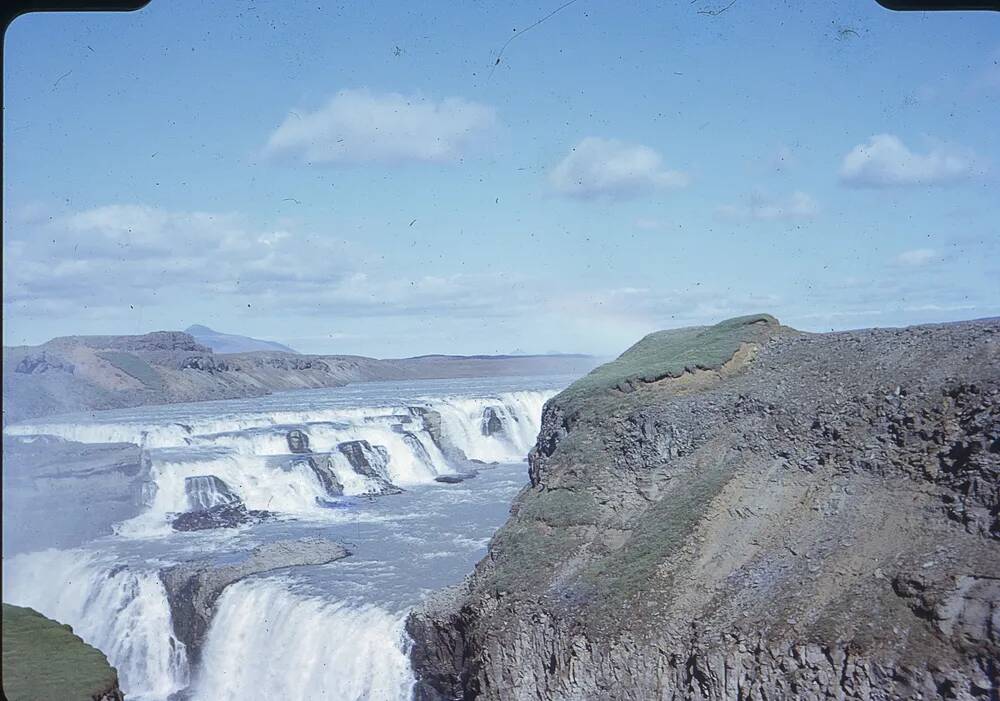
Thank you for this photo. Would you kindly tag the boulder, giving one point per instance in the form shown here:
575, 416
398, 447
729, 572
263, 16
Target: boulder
370, 462
221, 516
455, 478
298, 441
491, 424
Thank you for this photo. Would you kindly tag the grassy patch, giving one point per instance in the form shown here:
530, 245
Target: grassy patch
530, 551
562, 507
659, 533
133, 366
669, 354
44, 660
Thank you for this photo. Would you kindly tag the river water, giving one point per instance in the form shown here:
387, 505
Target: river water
333, 631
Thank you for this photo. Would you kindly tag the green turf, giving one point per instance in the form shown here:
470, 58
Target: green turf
45, 661
669, 354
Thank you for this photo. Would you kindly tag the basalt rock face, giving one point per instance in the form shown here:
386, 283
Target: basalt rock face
746, 512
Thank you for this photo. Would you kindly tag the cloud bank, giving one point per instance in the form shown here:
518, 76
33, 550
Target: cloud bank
118, 256
885, 161
607, 168
360, 126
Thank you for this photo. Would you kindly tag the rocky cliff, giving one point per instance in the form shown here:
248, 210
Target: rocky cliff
747, 512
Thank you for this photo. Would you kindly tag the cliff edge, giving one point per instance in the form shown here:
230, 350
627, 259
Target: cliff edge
745, 511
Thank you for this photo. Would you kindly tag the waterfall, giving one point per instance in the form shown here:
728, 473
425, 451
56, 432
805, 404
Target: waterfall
267, 638
230, 458
519, 414
267, 642
120, 611
207, 491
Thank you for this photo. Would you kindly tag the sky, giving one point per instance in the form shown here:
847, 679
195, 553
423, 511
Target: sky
393, 179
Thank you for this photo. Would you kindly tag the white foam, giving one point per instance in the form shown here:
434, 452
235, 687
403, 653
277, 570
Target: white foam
520, 412
234, 448
267, 642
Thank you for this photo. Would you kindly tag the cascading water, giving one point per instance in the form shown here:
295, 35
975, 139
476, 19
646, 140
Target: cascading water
330, 650
518, 417
121, 611
206, 492
293, 456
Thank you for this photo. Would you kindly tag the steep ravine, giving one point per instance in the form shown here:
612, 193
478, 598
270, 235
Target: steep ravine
746, 512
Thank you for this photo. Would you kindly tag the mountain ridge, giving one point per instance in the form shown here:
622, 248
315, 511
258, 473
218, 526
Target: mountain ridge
84, 373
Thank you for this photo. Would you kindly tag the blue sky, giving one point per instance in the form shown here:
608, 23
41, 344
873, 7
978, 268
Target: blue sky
365, 178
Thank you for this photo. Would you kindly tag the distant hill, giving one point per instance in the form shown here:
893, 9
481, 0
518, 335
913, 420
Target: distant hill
233, 343
85, 373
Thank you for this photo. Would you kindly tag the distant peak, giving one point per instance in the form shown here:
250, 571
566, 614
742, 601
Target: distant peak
233, 343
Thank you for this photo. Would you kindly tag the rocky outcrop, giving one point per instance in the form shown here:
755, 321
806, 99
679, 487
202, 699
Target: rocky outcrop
454, 478
229, 515
194, 587
491, 423
431, 420
298, 442
371, 462
208, 491
746, 512
42, 362
43, 659
320, 465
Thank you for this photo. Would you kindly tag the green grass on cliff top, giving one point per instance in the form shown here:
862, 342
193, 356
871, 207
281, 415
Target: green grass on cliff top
45, 661
669, 354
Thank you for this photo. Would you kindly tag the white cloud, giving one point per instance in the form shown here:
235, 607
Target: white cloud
798, 205
117, 257
885, 161
917, 257
359, 126
609, 168
127, 254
